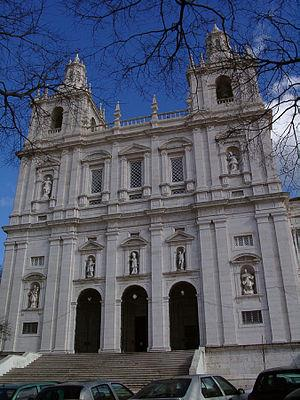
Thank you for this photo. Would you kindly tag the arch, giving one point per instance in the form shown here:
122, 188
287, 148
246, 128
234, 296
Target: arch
88, 322
184, 322
134, 315
93, 124
224, 87
57, 118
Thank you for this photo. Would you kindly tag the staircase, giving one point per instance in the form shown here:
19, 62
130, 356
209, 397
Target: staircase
132, 369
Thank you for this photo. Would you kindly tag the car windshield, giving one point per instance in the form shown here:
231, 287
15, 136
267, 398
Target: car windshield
162, 389
60, 393
283, 381
6, 393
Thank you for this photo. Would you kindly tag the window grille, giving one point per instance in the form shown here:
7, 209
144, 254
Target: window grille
95, 202
177, 169
178, 191
37, 261
252, 317
97, 180
30, 328
135, 196
136, 170
243, 240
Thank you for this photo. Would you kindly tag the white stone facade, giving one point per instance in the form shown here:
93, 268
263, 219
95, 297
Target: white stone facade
151, 203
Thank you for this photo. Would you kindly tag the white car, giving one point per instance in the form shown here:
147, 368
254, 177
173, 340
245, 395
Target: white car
191, 387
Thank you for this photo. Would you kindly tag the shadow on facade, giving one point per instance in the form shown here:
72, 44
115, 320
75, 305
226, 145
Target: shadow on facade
88, 321
134, 314
184, 326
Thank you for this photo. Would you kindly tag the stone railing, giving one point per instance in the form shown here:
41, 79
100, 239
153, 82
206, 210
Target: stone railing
224, 101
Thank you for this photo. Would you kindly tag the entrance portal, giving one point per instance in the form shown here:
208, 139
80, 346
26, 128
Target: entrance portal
88, 320
184, 326
134, 319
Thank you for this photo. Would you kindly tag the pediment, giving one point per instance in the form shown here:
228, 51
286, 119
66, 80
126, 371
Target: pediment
91, 246
34, 276
47, 161
180, 237
134, 242
176, 143
134, 149
100, 155
246, 258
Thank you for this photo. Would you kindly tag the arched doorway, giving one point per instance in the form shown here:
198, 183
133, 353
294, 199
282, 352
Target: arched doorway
88, 320
134, 334
184, 325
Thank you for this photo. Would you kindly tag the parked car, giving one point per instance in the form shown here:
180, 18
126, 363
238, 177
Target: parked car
191, 387
93, 390
22, 391
276, 384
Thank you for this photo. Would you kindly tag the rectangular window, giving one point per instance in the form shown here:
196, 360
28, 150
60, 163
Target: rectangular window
97, 180
243, 240
30, 328
252, 317
37, 261
177, 169
136, 173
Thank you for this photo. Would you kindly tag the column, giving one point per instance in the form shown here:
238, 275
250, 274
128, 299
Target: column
158, 326
16, 298
29, 184
189, 169
200, 154
7, 280
74, 180
124, 184
155, 167
274, 289
226, 290
146, 186
20, 193
106, 174
165, 174
62, 180
114, 187
211, 291
111, 339
51, 295
290, 279
65, 294
85, 182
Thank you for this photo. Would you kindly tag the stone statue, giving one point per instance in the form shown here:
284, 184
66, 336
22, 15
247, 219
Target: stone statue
180, 258
248, 282
47, 187
233, 162
34, 296
134, 267
90, 267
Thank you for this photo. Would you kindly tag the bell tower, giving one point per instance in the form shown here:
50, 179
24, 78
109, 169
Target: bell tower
75, 75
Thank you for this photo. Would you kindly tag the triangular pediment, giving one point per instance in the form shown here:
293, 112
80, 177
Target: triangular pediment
47, 161
100, 155
176, 143
180, 237
134, 242
134, 149
91, 246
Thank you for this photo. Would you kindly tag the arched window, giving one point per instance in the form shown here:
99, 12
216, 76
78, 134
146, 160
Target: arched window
93, 124
57, 118
224, 88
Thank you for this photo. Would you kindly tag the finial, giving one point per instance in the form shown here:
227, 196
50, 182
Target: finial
46, 93
77, 60
192, 63
202, 62
117, 114
154, 108
90, 87
38, 93
215, 28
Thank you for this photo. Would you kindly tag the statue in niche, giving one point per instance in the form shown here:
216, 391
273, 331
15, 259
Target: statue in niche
133, 263
34, 296
233, 163
90, 267
180, 258
47, 188
247, 282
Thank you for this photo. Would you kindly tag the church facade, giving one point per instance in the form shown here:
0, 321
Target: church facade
162, 233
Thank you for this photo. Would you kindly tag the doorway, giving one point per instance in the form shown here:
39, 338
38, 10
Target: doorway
88, 322
184, 325
134, 314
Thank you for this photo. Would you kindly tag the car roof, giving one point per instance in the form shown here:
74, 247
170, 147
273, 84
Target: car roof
280, 369
16, 385
84, 383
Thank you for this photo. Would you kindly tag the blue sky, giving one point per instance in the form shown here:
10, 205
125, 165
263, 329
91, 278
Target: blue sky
76, 36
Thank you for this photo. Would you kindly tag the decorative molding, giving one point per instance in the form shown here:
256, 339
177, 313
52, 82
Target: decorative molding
91, 246
134, 242
34, 276
176, 144
135, 149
